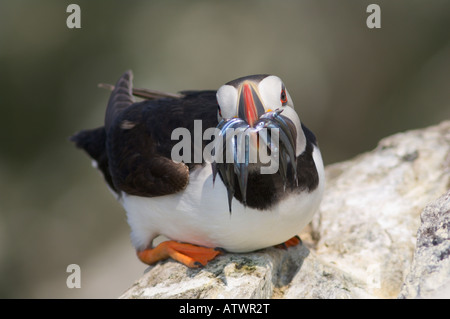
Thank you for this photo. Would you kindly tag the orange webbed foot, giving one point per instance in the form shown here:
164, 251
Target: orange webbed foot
294, 241
190, 255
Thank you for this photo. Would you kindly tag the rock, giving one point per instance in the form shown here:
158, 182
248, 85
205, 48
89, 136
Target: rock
369, 217
360, 244
430, 271
253, 275
319, 279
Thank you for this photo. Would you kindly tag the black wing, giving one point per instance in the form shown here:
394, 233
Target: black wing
137, 145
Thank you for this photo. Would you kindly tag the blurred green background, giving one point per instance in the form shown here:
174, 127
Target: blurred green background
351, 85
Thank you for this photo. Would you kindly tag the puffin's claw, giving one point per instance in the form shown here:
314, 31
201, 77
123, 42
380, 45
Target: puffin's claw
190, 255
294, 241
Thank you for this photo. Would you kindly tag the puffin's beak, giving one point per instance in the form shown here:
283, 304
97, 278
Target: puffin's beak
250, 107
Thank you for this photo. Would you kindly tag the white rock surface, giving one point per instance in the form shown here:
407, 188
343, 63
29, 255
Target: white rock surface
363, 237
430, 271
254, 275
369, 218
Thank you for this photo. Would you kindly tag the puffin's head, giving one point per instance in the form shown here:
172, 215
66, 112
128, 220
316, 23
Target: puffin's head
253, 103
250, 97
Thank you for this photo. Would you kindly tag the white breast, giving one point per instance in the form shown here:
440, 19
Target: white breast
199, 215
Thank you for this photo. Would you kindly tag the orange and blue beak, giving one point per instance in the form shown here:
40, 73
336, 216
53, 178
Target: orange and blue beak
250, 107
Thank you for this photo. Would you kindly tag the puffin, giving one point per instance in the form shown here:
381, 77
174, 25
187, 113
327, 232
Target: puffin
214, 171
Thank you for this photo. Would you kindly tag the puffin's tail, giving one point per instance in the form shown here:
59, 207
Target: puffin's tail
93, 142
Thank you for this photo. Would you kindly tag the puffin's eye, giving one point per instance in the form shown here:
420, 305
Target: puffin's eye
283, 97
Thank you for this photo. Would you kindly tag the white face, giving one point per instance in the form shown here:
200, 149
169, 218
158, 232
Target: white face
271, 90
227, 97
273, 95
